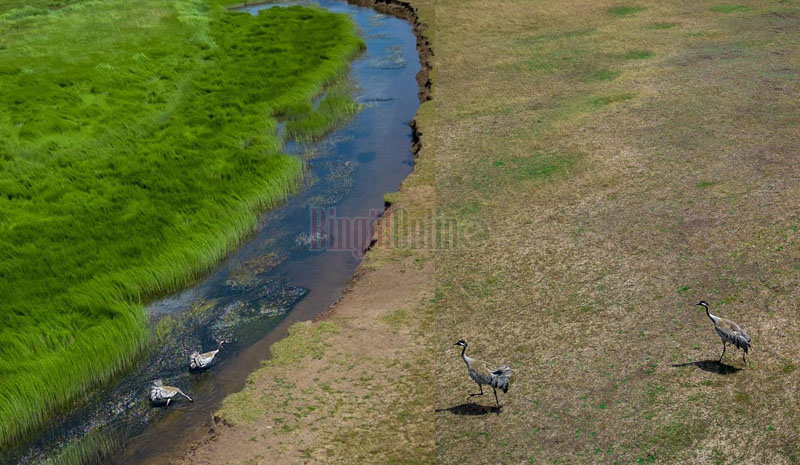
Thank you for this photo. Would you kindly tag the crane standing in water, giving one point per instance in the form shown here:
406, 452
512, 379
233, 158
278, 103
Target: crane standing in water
198, 361
159, 392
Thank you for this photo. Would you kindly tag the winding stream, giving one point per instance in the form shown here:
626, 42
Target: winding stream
271, 281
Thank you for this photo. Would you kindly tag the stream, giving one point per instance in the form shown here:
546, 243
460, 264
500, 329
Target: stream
287, 271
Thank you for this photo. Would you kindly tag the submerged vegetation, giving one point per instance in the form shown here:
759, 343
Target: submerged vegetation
306, 122
137, 143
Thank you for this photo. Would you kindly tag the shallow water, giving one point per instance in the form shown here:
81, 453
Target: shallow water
282, 274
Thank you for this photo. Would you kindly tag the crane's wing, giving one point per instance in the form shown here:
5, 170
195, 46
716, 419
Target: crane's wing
500, 378
737, 335
734, 328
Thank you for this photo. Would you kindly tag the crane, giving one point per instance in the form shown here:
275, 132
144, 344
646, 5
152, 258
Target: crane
729, 332
198, 361
484, 374
159, 392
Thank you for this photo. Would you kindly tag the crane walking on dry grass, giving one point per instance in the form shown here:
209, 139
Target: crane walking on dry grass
729, 332
483, 373
159, 392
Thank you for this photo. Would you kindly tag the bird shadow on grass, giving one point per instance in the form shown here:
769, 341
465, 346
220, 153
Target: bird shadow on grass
711, 366
470, 409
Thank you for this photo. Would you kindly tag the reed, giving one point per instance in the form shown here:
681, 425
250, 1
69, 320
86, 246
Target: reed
311, 123
137, 145
95, 447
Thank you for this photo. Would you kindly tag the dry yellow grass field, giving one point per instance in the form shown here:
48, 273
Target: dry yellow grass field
622, 161
629, 160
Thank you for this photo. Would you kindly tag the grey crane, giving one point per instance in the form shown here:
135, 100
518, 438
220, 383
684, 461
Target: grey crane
483, 373
198, 361
159, 392
729, 332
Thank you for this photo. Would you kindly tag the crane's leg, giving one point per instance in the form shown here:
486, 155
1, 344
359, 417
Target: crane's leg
477, 394
744, 357
724, 346
168, 399
495, 398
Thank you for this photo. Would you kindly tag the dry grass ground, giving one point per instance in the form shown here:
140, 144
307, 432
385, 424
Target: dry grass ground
629, 160
343, 390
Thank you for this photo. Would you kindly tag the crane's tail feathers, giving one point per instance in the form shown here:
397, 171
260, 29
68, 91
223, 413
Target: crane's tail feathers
742, 341
500, 378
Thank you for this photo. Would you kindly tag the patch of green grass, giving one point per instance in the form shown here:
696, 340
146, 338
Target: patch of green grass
138, 145
541, 165
662, 26
571, 54
705, 184
390, 198
623, 11
638, 55
603, 75
788, 368
609, 99
30, 5
304, 340
396, 319
559, 59
730, 8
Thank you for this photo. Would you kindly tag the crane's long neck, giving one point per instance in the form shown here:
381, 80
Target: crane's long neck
711, 317
467, 360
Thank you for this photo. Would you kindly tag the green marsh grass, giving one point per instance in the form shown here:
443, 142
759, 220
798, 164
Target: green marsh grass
137, 145
96, 447
309, 123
